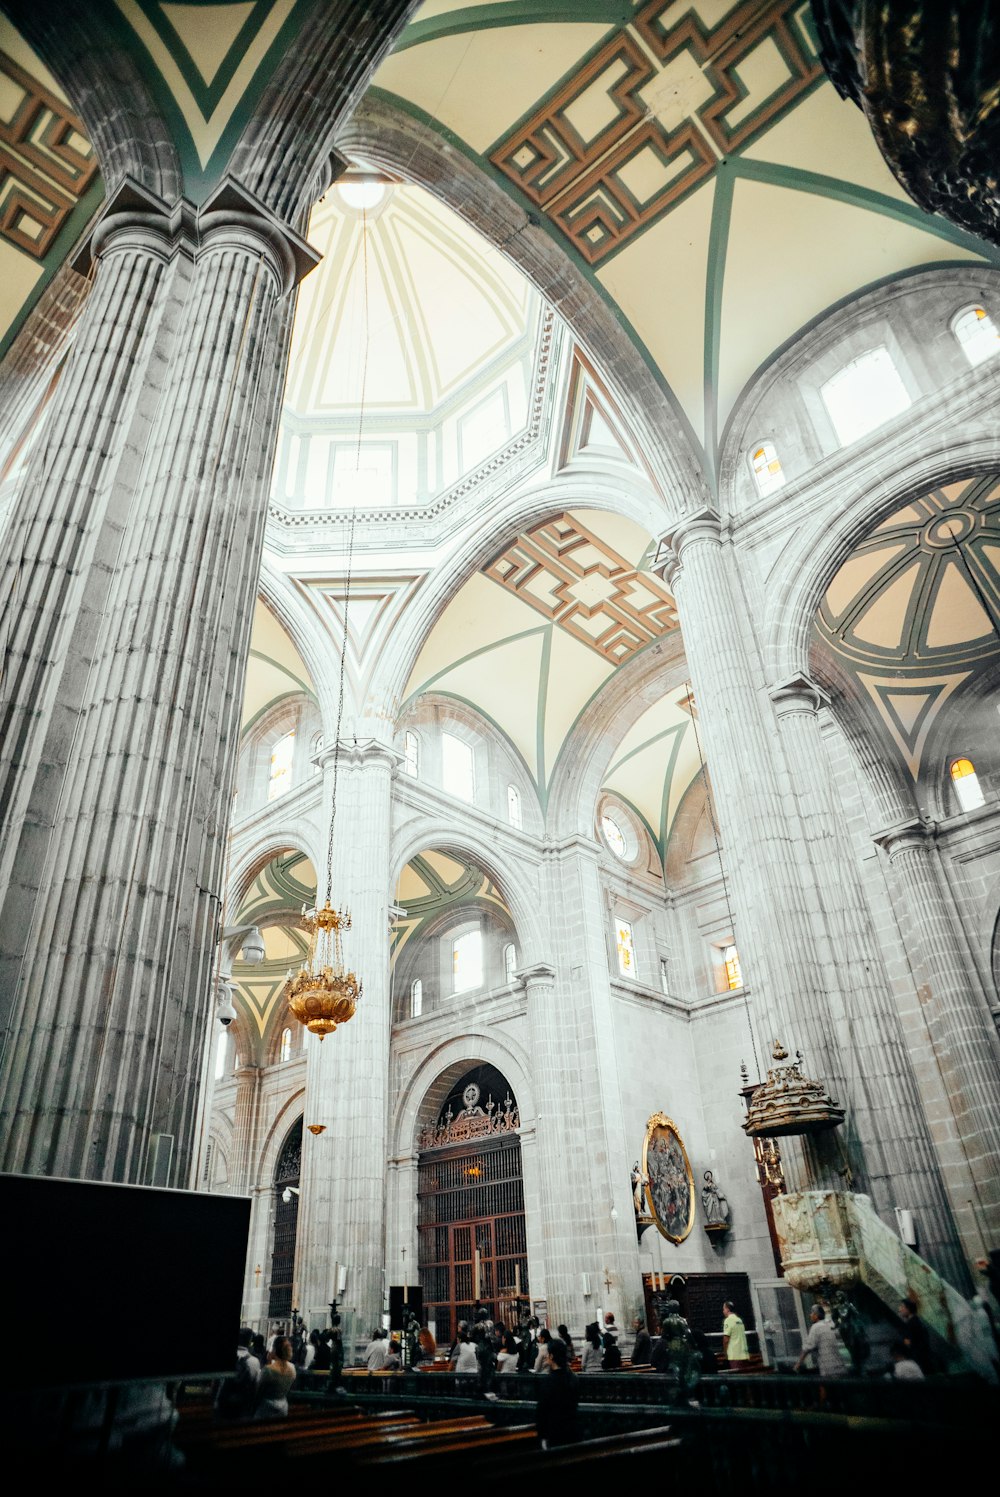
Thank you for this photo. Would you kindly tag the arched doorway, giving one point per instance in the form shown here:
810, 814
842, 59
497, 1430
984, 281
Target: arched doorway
470, 1205
286, 1214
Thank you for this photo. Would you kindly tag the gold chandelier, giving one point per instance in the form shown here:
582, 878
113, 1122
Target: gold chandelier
323, 994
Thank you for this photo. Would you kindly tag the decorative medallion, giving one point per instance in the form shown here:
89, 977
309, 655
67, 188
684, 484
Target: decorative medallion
669, 1183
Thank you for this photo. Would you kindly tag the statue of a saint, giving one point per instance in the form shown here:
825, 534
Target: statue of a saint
639, 1183
713, 1203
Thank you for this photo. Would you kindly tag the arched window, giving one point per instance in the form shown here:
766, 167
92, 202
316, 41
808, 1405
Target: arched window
514, 807
765, 464
731, 964
614, 836
625, 946
467, 961
977, 334
509, 962
416, 998
865, 394
285, 1048
458, 767
966, 783
411, 754
280, 775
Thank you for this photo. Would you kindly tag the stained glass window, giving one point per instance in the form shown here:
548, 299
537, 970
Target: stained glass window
614, 837
626, 948
977, 333
285, 1050
467, 961
458, 767
865, 394
767, 470
966, 783
411, 754
731, 963
416, 998
514, 806
280, 777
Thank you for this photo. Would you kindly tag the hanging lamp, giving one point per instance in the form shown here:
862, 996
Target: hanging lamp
789, 1102
324, 993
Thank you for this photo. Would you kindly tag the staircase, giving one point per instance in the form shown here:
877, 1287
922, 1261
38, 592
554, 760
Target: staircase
836, 1237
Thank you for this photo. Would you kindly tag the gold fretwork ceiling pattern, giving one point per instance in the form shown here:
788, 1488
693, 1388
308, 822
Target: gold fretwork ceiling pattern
529, 640
913, 613
631, 134
575, 579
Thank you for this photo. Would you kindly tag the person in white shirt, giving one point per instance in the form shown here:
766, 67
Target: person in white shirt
904, 1366
375, 1355
823, 1342
465, 1359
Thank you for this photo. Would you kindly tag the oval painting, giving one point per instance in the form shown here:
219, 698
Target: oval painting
668, 1179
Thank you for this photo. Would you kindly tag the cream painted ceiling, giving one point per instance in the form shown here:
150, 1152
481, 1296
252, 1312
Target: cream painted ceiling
913, 613
654, 765
275, 668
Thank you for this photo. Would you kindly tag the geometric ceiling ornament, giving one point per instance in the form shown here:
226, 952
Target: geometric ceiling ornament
576, 580
909, 711
209, 63
956, 615
593, 425
883, 620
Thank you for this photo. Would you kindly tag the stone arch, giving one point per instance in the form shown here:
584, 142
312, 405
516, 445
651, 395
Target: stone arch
583, 759
421, 1098
274, 1140
627, 495
518, 883
248, 861
821, 545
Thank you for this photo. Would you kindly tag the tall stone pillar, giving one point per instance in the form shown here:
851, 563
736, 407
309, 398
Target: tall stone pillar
774, 907
130, 572
960, 1029
886, 1110
245, 1127
800, 919
586, 1208
341, 1224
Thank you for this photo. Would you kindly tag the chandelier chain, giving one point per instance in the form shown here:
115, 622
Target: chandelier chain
350, 562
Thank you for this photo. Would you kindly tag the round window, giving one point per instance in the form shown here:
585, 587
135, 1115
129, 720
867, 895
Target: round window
614, 837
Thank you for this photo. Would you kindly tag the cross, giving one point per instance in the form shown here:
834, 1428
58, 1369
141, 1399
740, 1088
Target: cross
607, 1280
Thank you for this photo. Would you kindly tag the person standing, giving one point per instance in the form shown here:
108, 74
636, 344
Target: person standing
375, 1355
823, 1342
238, 1394
914, 1336
275, 1381
641, 1346
734, 1339
558, 1397
590, 1359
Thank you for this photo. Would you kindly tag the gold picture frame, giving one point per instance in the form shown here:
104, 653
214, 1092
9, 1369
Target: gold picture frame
668, 1183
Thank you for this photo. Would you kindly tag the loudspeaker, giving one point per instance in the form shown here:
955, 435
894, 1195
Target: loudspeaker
414, 1304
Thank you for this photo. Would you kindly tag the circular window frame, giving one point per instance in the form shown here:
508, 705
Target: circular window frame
613, 810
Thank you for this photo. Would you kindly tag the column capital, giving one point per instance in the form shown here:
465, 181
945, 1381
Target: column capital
538, 975
230, 218
798, 694
360, 753
906, 836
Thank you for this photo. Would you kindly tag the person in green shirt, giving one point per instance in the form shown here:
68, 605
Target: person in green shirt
734, 1338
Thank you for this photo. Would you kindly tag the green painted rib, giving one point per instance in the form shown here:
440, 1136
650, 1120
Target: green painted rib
508, 639
648, 743
514, 13
854, 195
715, 275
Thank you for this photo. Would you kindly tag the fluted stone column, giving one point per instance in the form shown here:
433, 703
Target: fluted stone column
342, 1206
774, 904
245, 1127
130, 572
885, 1108
961, 1032
583, 1154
